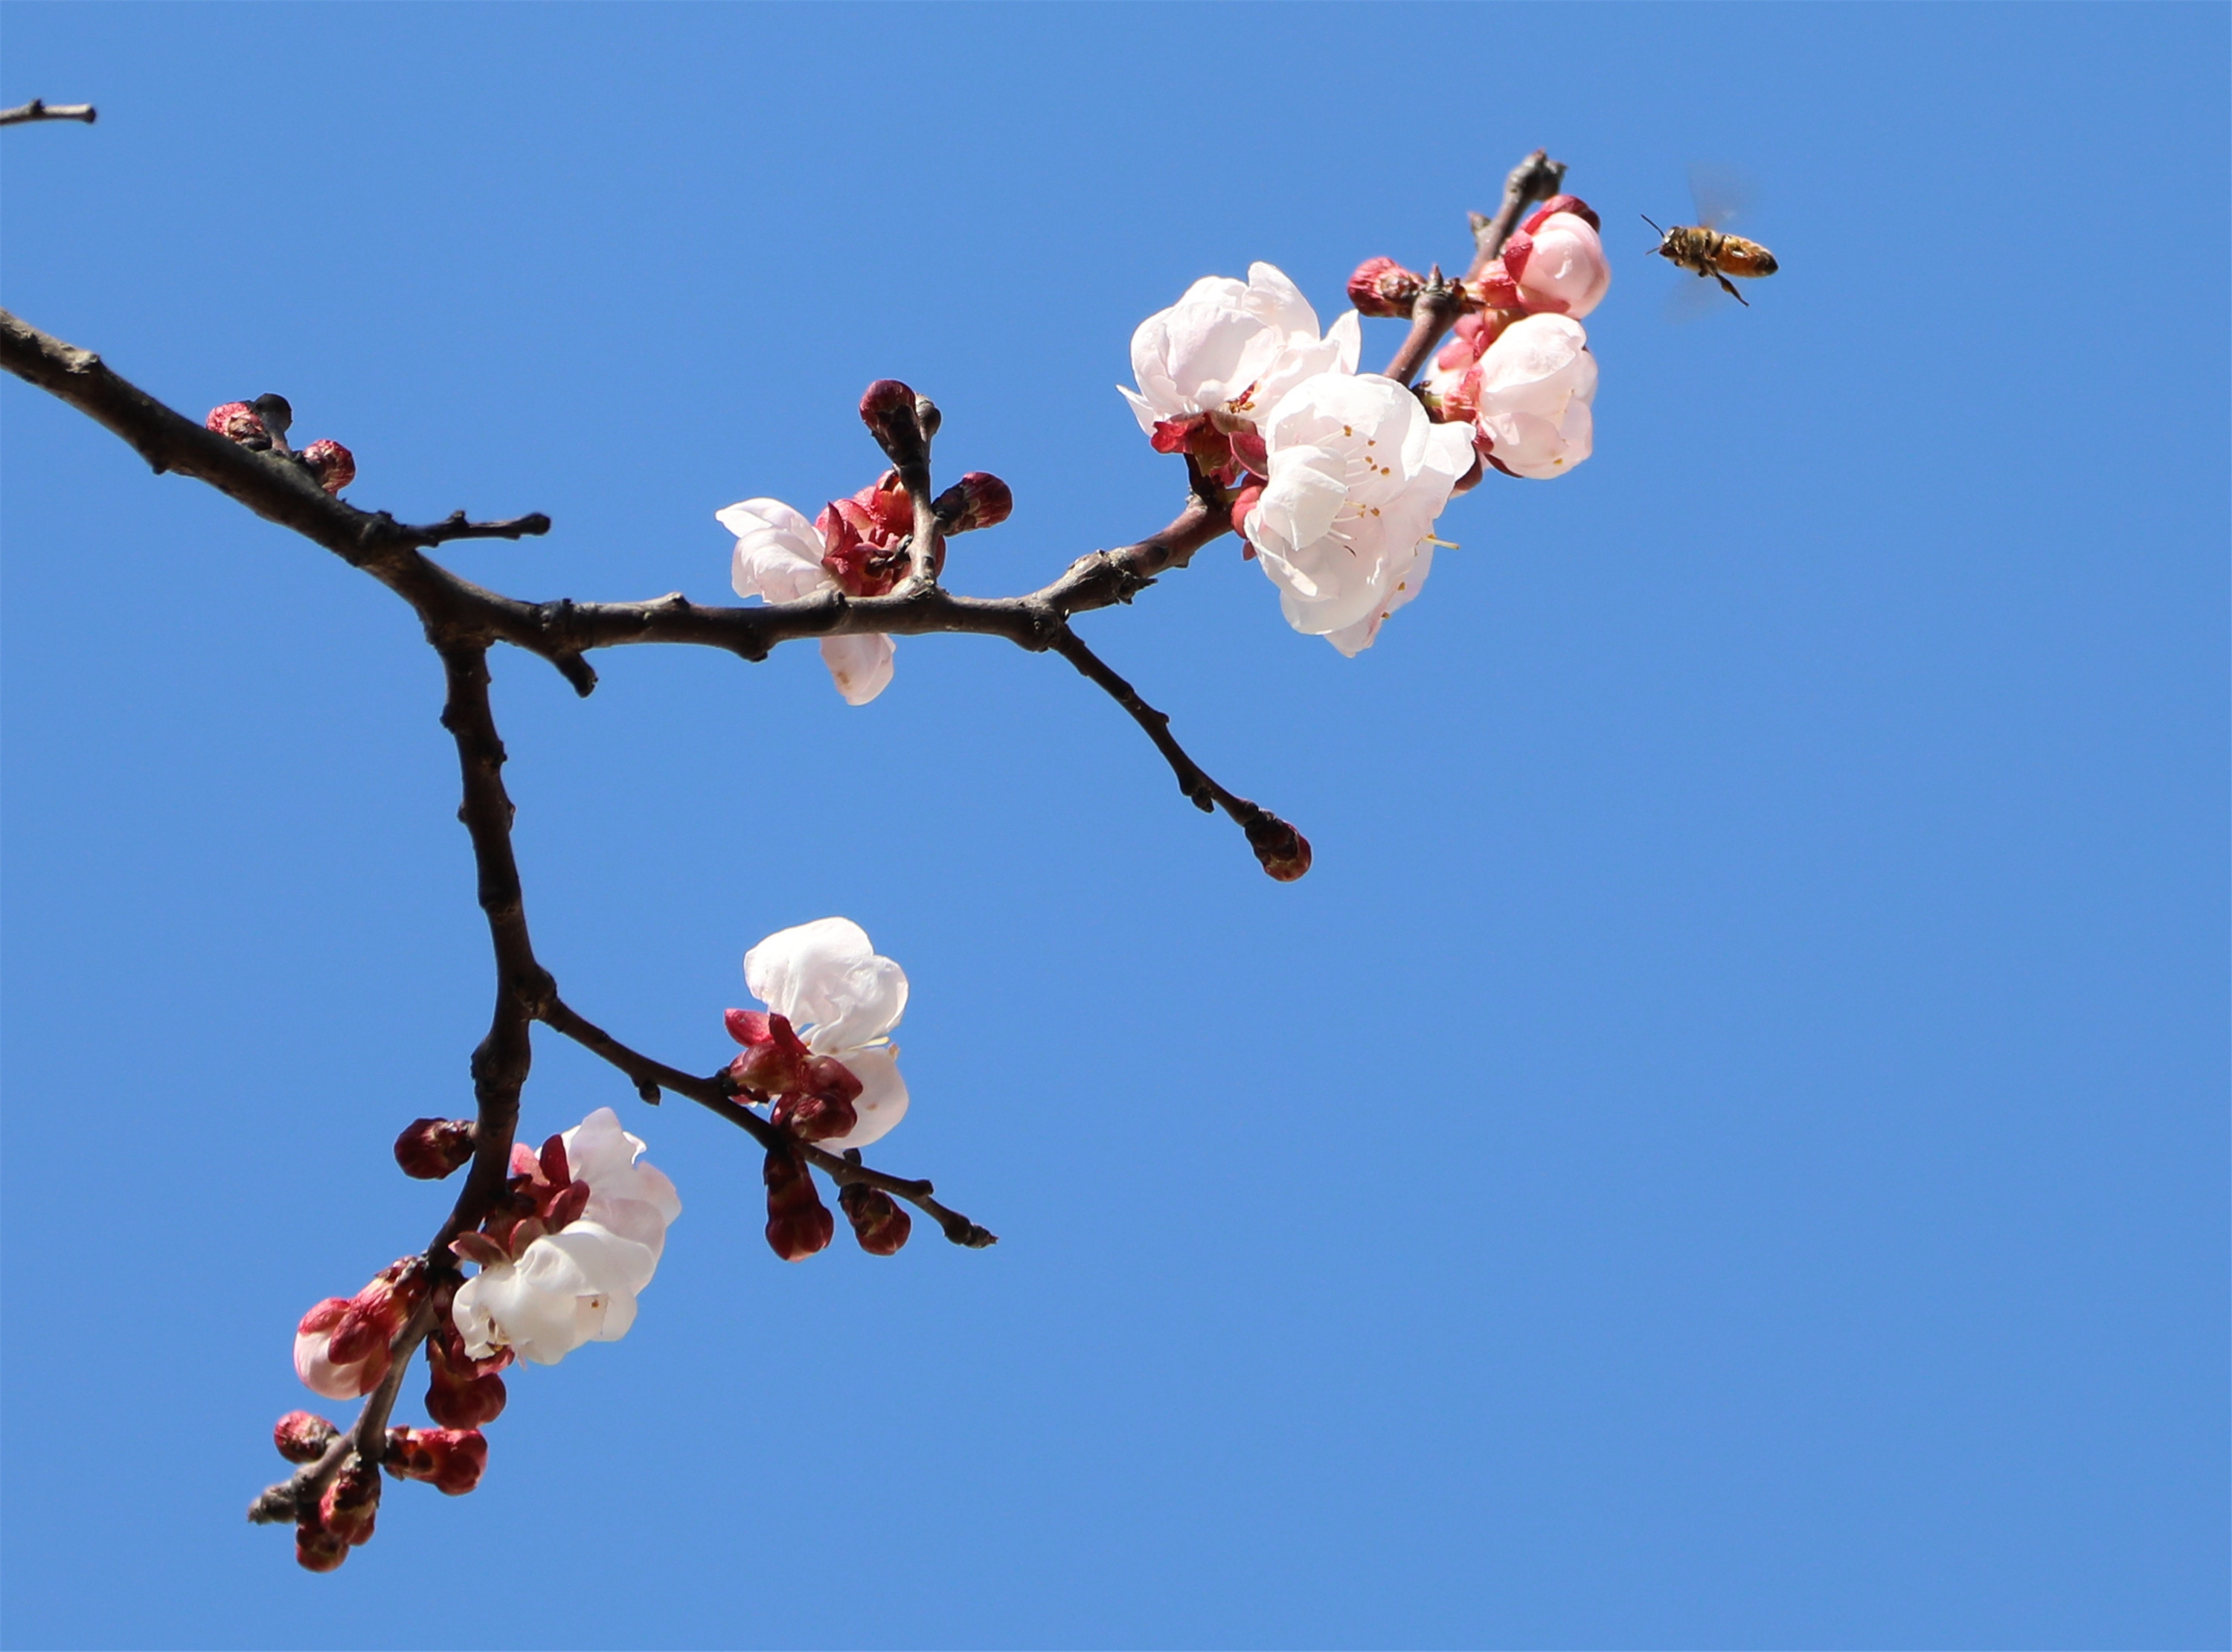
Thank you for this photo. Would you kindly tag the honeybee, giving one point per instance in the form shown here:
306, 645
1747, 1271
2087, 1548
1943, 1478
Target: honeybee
1709, 252
1705, 248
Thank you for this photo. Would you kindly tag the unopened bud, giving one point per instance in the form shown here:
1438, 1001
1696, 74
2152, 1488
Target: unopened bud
449, 1460
1284, 851
430, 1148
1382, 286
888, 409
1572, 203
278, 417
773, 1059
302, 1436
798, 1224
334, 466
351, 1504
236, 421
316, 1548
464, 1393
377, 1313
878, 1222
978, 500
816, 1118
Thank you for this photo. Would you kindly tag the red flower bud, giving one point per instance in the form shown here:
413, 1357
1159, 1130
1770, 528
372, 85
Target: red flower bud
1382, 286
831, 1080
878, 1222
449, 1460
1284, 851
236, 421
302, 1436
334, 466
773, 1059
1572, 203
316, 1548
816, 1118
352, 1501
978, 500
430, 1148
1497, 289
798, 1224
463, 1393
377, 1313
900, 421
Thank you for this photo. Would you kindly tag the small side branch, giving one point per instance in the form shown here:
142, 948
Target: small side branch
1441, 301
38, 109
457, 526
714, 1094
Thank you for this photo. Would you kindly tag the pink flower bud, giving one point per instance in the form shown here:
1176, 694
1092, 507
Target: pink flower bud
893, 414
978, 500
451, 1460
351, 1503
302, 1436
334, 466
878, 1222
377, 1313
1382, 286
315, 1365
798, 1224
774, 1059
1558, 264
1557, 203
1284, 851
236, 421
316, 1548
430, 1148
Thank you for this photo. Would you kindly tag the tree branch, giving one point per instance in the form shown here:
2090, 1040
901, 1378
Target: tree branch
38, 109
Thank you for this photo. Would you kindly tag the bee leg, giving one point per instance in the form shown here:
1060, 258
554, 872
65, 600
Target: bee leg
1729, 287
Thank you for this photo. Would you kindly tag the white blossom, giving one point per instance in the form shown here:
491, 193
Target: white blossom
1344, 527
843, 1000
1560, 265
1532, 390
580, 1284
1233, 349
778, 558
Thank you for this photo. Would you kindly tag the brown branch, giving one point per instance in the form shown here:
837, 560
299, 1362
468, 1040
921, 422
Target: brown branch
38, 109
1441, 300
366, 1437
457, 525
715, 1094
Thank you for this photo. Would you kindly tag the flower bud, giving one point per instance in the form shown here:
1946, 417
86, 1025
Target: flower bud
236, 421
816, 1118
1382, 286
1556, 203
377, 1313
892, 413
430, 1148
463, 1392
449, 1460
316, 1548
315, 1363
334, 466
878, 1222
1558, 262
1284, 851
773, 1059
351, 1504
798, 1224
978, 500
302, 1436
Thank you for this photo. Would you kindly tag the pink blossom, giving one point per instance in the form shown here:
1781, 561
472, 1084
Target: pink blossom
1557, 260
1533, 389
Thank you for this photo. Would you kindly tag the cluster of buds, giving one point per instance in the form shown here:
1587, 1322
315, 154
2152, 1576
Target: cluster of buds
540, 1197
449, 1460
342, 1346
812, 1098
463, 1392
262, 426
862, 546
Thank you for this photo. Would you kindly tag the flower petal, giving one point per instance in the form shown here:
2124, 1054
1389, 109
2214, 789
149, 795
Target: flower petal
829, 982
883, 1098
860, 666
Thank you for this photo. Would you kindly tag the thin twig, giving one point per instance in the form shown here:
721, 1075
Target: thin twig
714, 1094
457, 526
39, 109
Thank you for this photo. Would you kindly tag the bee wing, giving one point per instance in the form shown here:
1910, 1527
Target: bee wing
1694, 298
1721, 194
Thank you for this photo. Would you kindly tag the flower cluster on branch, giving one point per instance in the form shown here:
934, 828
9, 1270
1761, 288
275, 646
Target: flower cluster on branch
1333, 478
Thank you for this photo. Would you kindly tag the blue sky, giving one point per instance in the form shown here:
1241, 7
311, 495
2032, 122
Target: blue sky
1727, 1148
